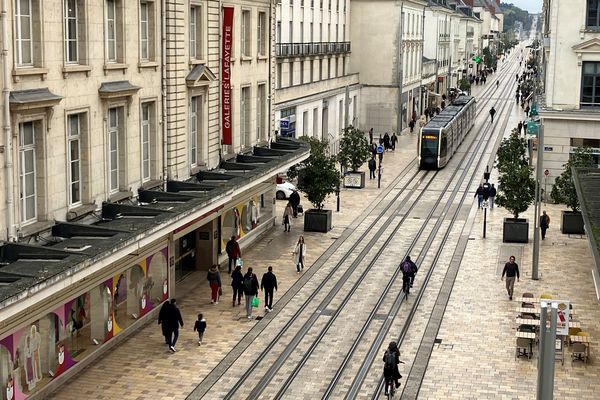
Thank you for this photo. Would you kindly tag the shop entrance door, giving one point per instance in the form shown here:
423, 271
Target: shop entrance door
185, 255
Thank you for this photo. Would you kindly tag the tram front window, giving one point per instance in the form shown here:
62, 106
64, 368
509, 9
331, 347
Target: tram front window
429, 145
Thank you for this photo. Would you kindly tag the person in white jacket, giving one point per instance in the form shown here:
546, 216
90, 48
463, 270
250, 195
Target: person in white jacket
300, 253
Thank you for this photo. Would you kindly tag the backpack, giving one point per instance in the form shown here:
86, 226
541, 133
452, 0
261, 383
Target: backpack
406, 267
247, 284
390, 360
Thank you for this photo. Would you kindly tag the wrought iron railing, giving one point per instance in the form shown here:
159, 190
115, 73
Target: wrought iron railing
311, 48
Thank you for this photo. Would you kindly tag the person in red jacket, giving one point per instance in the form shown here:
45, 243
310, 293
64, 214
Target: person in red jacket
233, 252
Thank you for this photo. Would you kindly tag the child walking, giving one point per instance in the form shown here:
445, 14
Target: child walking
200, 327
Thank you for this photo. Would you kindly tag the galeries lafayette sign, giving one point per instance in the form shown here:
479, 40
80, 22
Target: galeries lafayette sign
226, 75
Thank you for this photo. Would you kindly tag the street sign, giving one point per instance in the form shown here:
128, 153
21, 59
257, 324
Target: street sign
380, 149
546, 172
284, 124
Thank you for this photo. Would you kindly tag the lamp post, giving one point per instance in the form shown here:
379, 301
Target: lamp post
545, 380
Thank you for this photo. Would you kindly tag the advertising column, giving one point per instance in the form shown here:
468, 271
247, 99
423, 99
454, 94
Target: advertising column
226, 75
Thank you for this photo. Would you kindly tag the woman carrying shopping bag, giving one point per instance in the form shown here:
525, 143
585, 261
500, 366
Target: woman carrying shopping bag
299, 254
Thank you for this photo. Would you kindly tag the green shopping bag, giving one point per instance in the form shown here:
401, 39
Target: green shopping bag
255, 302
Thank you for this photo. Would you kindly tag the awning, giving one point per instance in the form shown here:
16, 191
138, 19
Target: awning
116, 89
200, 75
33, 98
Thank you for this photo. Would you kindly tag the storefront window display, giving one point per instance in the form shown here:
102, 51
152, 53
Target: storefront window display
37, 353
240, 220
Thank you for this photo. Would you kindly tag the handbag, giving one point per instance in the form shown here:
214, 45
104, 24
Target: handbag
239, 262
255, 302
220, 291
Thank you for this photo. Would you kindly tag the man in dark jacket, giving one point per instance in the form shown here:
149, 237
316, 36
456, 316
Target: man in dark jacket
233, 252
237, 283
163, 321
372, 167
174, 320
250, 286
479, 195
268, 283
493, 193
511, 270
295, 202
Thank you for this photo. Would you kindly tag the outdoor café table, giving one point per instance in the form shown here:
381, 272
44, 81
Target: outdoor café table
536, 322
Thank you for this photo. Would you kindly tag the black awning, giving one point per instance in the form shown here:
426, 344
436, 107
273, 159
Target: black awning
33, 98
117, 89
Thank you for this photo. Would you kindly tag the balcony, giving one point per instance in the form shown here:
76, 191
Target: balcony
311, 49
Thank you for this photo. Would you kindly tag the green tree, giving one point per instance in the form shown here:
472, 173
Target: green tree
318, 176
516, 186
563, 190
488, 58
354, 149
464, 85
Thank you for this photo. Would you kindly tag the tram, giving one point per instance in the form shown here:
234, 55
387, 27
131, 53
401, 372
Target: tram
440, 137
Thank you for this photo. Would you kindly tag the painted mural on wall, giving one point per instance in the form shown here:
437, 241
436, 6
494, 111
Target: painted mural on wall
240, 220
44, 349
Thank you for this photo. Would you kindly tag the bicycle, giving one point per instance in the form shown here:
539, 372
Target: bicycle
406, 287
391, 385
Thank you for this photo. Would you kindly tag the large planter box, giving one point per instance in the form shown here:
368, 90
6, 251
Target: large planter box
354, 180
515, 231
317, 221
571, 223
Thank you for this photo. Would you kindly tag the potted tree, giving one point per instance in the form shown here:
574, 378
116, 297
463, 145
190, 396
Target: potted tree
516, 186
354, 152
563, 191
318, 177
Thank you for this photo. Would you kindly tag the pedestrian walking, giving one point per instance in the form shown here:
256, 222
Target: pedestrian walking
477, 80
299, 254
411, 125
492, 113
511, 270
372, 167
497, 84
520, 127
544, 224
200, 327
386, 142
479, 195
174, 320
371, 136
486, 193
232, 248
493, 193
373, 150
163, 321
288, 212
527, 110
250, 286
295, 202
214, 280
237, 284
393, 141
524, 127
268, 283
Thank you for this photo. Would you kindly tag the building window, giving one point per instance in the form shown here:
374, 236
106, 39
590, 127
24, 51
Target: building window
27, 171
329, 68
28, 33
593, 13
321, 69
74, 130
301, 32
312, 70
245, 117
315, 131
261, 112
196, 129
291, 70
344, 66
590, 84
291, 26
279, 72
114, 31
246, 34
147, 136
305, 123
196, 33
71, 32
117, 149
262, 34
147, 32
301, 72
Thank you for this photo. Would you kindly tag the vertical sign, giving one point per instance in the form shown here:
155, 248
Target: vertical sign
226, 75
